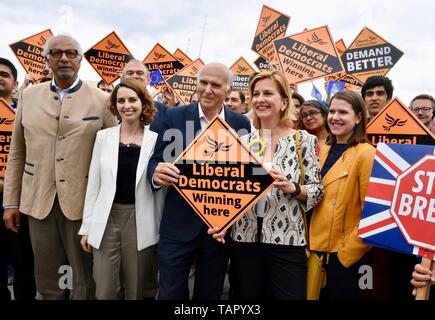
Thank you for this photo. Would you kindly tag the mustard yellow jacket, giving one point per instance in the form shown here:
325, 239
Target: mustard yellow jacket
334, 223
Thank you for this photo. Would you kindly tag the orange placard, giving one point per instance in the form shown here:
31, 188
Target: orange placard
369, 55
29, 52
108, 57
395, 123
184, 82
7, 118
272, 25
160, 58
219, 176
308, 55
352, 83
182, 57
242, 71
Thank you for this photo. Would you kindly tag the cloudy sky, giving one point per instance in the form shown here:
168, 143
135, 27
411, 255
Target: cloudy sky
229, 27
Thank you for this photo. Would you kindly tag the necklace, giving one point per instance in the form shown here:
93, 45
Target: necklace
131, 139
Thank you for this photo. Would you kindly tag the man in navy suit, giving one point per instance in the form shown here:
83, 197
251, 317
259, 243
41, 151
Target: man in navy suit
183, 235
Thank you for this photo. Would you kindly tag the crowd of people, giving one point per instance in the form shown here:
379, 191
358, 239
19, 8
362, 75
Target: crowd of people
90, 175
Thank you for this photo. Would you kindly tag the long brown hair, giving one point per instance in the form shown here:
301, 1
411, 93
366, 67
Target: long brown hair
148, 108
359, 131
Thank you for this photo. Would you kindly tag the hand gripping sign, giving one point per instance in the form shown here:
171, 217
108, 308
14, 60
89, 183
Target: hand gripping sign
219, 176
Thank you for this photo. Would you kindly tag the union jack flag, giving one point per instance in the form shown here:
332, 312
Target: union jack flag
377, 226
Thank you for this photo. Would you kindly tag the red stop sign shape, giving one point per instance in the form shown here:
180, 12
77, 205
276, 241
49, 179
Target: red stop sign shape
413, 205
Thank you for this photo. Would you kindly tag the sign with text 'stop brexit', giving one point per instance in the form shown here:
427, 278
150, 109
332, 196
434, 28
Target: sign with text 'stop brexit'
272, 25
184, 82
29, 53
352, 83
396, 123
182, 57
160, 58
241, 70
108, 57
399, 207
219, 175
308, 55
369, 55
7, 118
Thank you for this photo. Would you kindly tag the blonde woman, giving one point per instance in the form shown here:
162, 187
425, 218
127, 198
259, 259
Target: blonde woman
268, 242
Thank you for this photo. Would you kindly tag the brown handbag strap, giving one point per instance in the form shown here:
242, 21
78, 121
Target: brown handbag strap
301, 166
299, 150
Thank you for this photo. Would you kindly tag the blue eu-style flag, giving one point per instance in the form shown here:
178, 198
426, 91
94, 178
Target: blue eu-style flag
315, 93
334, 87
156, 77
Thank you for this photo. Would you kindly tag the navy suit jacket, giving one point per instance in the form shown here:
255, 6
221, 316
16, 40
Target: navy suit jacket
179, 221
156, 124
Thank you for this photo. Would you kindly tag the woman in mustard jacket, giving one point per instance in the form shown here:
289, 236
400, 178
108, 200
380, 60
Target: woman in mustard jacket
346, 163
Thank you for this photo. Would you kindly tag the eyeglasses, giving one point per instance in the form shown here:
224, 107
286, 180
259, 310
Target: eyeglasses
311, 113
70, 53
422, 109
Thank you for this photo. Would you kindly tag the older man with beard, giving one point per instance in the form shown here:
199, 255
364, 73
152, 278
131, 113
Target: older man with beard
55, 128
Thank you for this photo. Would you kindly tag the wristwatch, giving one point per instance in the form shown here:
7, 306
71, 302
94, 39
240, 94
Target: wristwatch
297, 191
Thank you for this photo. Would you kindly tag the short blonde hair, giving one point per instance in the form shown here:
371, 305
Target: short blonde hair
287, 116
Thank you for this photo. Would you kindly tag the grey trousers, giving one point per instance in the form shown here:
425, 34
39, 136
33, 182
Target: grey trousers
120, 270
55, 243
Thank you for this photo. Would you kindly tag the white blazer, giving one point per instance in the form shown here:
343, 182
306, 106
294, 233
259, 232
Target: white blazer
101, 189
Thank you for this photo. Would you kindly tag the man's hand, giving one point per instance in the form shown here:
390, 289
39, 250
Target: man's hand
11, 218
169, 98
28, 79
218, 236
166, 174
421, 277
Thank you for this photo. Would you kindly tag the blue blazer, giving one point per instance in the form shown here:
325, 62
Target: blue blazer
156, 124
179, 221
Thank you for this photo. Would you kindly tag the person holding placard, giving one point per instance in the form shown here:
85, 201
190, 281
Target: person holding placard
268, 246
183, 235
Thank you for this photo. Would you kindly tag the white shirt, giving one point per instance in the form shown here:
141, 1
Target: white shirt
202, 118
203, 122
63, 92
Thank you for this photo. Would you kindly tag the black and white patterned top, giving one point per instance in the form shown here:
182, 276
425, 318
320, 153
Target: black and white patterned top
283, 222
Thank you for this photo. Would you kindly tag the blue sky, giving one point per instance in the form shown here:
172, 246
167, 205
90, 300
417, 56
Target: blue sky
229, 29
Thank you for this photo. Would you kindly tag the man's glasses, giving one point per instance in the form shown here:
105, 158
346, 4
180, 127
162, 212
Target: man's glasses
70, 53
422, 109
311, 114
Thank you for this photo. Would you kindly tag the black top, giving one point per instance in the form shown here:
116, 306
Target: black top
334, 154
128, 158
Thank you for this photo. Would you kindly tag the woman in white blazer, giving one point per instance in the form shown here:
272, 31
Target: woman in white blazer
122, 215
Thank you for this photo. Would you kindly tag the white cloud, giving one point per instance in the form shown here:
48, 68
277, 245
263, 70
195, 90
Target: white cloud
230, 29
